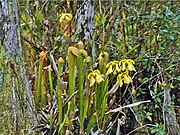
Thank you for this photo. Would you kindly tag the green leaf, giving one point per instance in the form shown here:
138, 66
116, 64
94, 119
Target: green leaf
171, 37
166, 31
161, 132
119, 47
39, 16
149, 118
85, 109
133, 49
158, 99
154, 131
91, 123
60, 127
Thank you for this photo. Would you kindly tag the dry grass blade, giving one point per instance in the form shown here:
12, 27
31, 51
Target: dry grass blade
69, 99
118, 128
51, 58
127, 106
113, 89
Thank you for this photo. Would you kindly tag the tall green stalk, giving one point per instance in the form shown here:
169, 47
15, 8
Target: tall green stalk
43, 92
51, 123
59, 91
80, 66
73, 52
80, 88
50, 81
99, 86
38, 95
104, 85
88, 93
103, 59
104, 99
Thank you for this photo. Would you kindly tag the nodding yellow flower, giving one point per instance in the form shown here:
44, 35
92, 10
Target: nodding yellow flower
65, 17
95, 76
113, 67
123, 78
127, 64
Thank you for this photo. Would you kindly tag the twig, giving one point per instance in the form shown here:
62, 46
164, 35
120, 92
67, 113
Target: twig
127, 106
140, 128
51, 58
70, 97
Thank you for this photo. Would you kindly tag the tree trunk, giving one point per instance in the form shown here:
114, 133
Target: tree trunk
85, 24
10, 39
169, 113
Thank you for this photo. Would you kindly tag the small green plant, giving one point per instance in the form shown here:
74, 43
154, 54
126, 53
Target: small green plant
148, 115
158, 129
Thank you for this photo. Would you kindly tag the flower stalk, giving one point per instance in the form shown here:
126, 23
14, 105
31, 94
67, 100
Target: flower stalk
50, 81
59, 91
38, 95
80, 69
73, 52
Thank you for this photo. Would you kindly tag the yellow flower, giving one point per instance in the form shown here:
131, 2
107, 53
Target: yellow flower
123, 78
113, 67
130, 65
95, 76
65, 17
127, 64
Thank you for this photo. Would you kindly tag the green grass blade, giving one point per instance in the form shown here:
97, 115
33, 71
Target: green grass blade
80, 88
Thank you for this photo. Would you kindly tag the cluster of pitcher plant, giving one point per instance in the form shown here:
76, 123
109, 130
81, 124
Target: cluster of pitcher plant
82, 95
